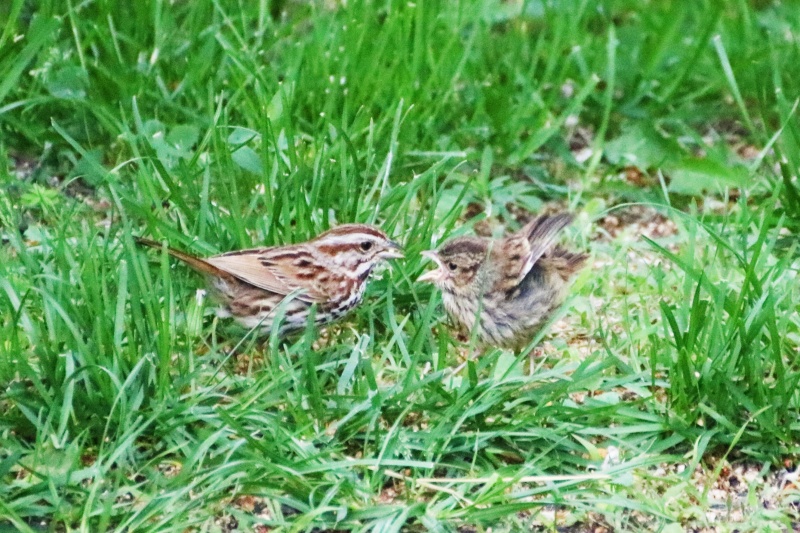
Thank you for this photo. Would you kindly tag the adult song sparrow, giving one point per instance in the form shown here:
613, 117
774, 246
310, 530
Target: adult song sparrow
510, 285
330, 270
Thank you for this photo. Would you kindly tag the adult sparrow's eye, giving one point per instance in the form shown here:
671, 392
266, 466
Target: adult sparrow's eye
452, 266
366, 245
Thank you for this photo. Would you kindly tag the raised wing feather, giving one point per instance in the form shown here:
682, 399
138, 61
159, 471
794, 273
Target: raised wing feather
542, 234
516, 254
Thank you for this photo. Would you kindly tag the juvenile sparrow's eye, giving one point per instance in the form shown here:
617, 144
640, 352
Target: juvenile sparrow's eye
366, 245
452, 266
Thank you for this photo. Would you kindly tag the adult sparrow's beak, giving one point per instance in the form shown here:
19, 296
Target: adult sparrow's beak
393, 251
435, 275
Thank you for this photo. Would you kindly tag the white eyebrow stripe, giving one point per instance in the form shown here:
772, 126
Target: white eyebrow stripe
354, 238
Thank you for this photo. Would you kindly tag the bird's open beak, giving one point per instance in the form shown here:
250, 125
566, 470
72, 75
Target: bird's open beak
395, 251
435, 275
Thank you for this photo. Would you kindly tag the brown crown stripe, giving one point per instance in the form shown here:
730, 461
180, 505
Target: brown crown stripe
349, 229
461, 246
333, 249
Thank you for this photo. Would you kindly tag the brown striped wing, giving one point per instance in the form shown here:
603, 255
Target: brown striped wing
510, 257
280, 271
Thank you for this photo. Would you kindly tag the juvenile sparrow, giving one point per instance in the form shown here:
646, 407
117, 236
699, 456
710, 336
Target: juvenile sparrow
330, 270
510, 285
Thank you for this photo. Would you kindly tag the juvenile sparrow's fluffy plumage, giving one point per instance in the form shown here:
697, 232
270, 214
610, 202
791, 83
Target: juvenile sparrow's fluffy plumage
510, 285
330, 270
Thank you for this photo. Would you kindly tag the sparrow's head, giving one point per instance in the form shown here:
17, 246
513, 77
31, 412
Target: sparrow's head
458, 263
357, 246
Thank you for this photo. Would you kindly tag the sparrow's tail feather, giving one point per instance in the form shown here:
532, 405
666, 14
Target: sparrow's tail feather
198, 264
566, 263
